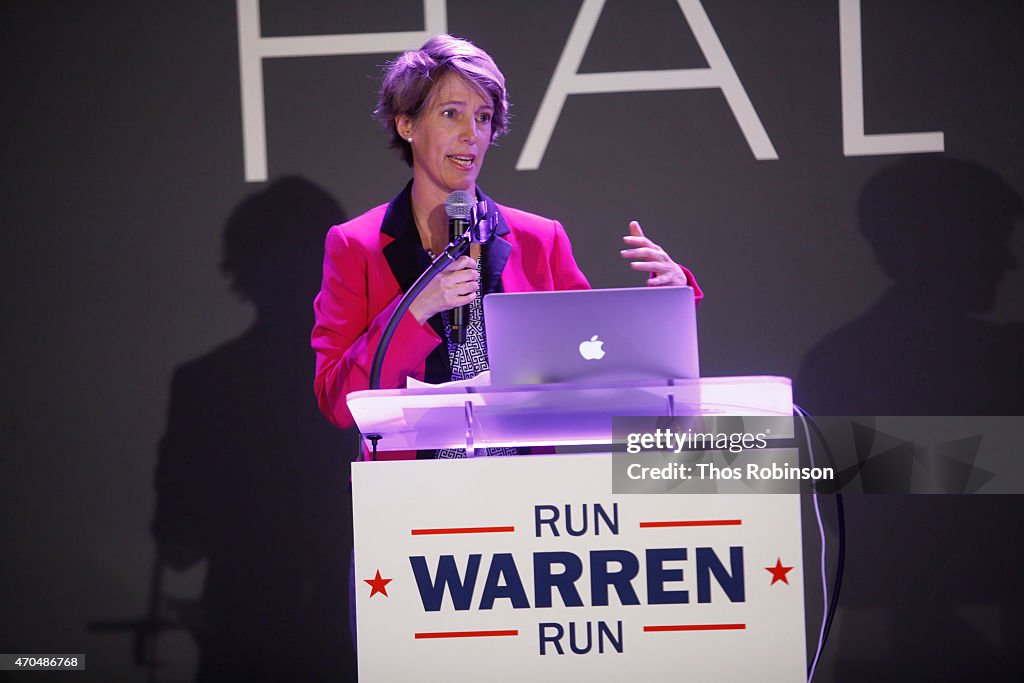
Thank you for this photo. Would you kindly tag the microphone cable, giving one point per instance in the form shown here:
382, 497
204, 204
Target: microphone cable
829, 605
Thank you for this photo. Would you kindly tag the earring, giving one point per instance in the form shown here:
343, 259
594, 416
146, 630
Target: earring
409, 140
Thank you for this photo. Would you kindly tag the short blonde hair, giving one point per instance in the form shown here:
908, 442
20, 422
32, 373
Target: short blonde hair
411, 77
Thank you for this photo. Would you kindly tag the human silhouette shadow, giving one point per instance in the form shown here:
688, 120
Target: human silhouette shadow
940, 228
250, 476
931, 589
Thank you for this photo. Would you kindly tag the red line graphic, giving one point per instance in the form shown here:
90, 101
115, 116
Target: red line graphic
465, 530
691, 522
695, 627
468, 634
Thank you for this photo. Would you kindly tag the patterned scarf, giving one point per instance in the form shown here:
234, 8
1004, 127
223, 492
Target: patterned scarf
469, 360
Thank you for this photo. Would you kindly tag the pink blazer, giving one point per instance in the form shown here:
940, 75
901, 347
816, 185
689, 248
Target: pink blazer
372, 259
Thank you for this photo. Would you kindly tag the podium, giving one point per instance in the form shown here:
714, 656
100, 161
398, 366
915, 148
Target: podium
531, 568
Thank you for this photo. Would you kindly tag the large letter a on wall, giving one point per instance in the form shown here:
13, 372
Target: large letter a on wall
567, 81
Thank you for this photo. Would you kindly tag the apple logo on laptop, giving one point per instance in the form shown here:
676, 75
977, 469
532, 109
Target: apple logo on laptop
591, 349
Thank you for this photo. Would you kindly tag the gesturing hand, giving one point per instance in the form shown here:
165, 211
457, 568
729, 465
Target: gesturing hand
455, 286
652, 259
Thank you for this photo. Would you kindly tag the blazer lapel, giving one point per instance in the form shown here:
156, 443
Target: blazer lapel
495, 254
407, 261
404, 254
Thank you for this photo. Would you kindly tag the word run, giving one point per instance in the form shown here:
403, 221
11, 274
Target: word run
562, 572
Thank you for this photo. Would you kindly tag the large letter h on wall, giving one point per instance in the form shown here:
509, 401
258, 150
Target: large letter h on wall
253, 48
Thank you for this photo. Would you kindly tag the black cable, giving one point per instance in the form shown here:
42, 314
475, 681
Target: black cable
837, 582
453, 251
457, 248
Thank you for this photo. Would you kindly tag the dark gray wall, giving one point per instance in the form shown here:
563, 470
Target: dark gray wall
121, 147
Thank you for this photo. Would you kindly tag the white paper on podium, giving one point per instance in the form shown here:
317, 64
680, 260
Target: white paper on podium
481, 380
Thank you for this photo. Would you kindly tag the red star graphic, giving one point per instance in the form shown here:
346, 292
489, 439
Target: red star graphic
378, 585
779, 572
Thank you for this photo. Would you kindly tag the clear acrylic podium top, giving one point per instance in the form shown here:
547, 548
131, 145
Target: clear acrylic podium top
551, 414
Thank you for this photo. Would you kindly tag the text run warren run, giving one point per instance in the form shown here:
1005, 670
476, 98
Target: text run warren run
562, 572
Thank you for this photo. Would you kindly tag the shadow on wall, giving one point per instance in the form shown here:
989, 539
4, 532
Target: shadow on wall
250, 476
940, 228
931, 589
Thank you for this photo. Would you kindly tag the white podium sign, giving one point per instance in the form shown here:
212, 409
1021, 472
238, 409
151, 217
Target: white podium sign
513, 569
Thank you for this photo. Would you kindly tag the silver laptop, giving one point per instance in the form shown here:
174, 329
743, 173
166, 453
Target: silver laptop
589, 335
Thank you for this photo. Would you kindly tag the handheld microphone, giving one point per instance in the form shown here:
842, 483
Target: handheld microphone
459, 207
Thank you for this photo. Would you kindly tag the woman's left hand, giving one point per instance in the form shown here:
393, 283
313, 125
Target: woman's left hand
651, 259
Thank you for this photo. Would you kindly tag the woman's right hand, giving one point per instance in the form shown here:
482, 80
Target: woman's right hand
455, 286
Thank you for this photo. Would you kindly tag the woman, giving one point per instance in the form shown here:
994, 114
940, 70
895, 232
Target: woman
444, 104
